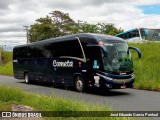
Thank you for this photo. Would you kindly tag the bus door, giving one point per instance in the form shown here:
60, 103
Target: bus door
94, 58
95, 64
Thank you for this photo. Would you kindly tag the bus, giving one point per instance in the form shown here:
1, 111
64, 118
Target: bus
140, 35
84, 60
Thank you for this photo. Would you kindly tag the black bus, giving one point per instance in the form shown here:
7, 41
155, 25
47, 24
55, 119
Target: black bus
80, 60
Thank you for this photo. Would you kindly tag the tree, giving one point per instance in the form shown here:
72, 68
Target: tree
63, 22
43, 29
102, 28
108, 29
85, 27
58, 23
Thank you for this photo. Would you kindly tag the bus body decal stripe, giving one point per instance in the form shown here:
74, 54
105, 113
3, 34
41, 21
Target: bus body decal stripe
84, 56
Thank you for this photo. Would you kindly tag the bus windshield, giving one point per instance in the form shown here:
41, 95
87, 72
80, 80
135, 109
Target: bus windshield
150, 34
118, 59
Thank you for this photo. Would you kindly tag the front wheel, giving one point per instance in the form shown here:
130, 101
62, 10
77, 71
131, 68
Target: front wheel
26, 78
79, 84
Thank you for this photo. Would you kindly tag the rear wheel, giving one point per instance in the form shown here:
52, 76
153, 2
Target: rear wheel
26, 78
79, 84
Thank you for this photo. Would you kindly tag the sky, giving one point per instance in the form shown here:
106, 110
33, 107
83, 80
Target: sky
125, 14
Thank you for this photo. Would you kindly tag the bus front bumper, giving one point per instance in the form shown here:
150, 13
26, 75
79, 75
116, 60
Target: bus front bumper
118, 85
111, 83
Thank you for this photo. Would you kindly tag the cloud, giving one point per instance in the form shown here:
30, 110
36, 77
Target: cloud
10, 28
5, 4
14, 14
9, 35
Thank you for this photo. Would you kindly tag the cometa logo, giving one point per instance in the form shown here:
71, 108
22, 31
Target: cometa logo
63, 64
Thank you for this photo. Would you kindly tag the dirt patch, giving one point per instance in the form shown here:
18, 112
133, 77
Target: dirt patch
16, 107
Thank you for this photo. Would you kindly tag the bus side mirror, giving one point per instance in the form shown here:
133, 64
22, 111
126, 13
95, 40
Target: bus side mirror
136, 49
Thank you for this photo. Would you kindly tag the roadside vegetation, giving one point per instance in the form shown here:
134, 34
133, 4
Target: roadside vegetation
147, 69
12, 95
6, 68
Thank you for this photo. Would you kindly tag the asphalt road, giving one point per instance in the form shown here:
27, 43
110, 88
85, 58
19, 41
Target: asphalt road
120, 99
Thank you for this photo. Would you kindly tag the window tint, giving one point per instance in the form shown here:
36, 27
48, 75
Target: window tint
49, 50
36, 51
20, 52
15, 53
66, 48
130, 34
70, 48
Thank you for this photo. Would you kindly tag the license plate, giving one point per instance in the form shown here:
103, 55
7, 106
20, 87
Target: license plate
123, 86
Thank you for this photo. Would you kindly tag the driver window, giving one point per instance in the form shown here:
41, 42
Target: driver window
94, 55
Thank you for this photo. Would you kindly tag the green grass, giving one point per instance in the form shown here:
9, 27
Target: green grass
5, 106
12, 95
6, 56
147, 69
6, 68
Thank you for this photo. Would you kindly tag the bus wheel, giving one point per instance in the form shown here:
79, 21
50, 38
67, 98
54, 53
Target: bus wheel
79, 84
26, 78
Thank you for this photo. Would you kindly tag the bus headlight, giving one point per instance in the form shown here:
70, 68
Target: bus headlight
105, 77
108, 78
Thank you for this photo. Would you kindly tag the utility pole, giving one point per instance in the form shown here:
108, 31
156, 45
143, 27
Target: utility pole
27, 33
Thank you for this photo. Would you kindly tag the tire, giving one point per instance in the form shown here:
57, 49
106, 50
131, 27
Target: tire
26, 78
79, 84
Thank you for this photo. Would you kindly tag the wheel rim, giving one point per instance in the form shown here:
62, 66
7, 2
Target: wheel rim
79, 85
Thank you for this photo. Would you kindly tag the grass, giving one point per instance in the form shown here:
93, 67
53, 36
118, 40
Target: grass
6, 56
12, 95
6, 68
5, 106
147, 69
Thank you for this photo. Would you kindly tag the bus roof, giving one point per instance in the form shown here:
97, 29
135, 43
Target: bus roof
126, 31
96, 37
